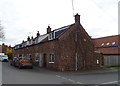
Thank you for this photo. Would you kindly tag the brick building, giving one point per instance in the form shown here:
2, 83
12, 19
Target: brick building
6, 50
3, 48
110, 48
66, 48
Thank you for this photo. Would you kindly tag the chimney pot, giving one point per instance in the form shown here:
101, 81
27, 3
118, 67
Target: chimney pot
32, 37
48, 29
38, 34
28, 38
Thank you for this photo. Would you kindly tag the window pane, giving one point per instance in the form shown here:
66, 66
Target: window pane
53, 58
113, 43
108, 43
102, 44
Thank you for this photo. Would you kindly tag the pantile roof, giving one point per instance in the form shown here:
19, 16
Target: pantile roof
108, 45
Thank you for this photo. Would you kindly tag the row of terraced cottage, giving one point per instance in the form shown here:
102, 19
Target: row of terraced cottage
66, 48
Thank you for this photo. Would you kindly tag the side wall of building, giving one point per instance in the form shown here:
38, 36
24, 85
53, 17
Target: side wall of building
77, 50
87, 59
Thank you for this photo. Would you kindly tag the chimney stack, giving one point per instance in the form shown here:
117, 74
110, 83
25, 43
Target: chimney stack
3, 44
48, 29
32, 37
77, 18
23, 41
38, 34
28, 38
9, 46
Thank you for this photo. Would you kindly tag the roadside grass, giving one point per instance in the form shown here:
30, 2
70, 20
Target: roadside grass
113, 67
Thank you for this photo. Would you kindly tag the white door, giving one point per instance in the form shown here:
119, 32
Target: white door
41, 60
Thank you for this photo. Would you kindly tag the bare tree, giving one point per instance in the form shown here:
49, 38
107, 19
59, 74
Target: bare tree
2, 34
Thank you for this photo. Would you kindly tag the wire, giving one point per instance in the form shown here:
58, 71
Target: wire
101, 8
73, 7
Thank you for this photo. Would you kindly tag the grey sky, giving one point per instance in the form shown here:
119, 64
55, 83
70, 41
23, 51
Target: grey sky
23, 18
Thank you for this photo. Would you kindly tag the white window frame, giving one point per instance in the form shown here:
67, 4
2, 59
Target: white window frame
36, 41
25, 44
51, 36
51, 58
37, 57
33, 42
29, 42
60, 30
97, 61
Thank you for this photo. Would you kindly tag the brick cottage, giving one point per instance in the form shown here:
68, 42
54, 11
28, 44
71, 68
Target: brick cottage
66, 48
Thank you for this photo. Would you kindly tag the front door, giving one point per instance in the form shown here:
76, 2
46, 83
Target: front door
44, 60
41, 60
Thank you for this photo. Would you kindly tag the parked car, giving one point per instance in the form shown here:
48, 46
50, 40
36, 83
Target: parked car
24, 62
16, 62
12, 62
4, 58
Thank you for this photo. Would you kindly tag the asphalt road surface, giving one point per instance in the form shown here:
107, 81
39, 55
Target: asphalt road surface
13, 75
0, 73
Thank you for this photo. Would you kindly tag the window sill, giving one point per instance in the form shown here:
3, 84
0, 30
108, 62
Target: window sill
36, 60
51, 62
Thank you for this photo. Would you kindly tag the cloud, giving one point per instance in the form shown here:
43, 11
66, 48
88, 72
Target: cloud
21, 17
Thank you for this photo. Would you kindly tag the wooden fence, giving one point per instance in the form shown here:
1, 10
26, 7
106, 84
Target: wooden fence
111, 60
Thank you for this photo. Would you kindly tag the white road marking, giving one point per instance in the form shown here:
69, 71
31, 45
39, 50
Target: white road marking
69, 79
82, 83
58, 76
79, 83
110, 82
63, 78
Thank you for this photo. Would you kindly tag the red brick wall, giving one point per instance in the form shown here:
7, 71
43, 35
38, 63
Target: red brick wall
44, 48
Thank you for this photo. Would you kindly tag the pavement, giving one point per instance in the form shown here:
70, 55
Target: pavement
97, 71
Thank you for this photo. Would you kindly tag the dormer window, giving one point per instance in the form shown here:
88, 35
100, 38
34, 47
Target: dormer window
30, 42
113, 43
108, 43
36, 40
27, 43
51, 36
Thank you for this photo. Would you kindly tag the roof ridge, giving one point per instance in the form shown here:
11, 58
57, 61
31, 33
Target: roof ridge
62, 27
105, 37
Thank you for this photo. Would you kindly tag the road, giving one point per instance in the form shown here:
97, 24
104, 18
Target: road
13, 75
0, 73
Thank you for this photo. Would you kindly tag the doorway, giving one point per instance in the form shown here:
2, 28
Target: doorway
42, 60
